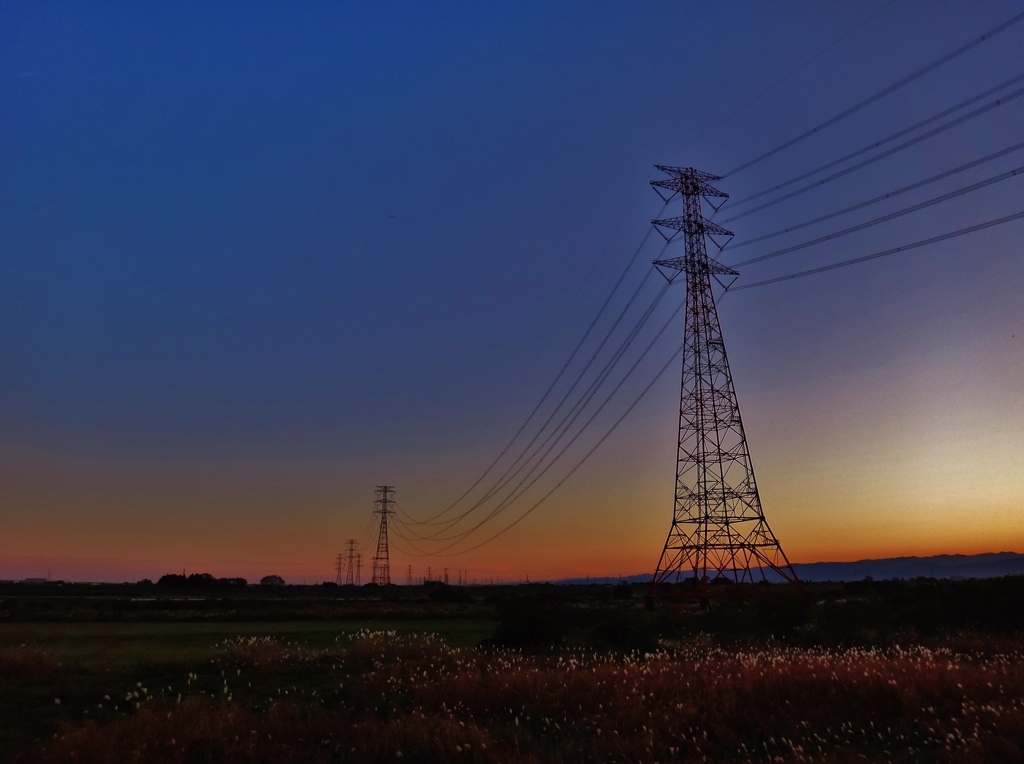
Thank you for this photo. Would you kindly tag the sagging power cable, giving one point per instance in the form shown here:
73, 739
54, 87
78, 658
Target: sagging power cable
876, 199
434, 520
887, 139
884, 253
885, 218
883, 92
511, 472
878, 157
537, 459
586, 425
553, 384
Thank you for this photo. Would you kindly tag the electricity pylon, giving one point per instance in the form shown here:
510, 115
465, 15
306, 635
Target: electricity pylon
359, 568
349, 578
719, 534
385, 497
339, 565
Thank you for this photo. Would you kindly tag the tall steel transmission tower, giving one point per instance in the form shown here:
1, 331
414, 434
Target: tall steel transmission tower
359, 568
339, 566
719, 534
385, 497
349, 578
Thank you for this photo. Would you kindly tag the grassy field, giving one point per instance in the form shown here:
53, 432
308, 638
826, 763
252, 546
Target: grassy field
877, 672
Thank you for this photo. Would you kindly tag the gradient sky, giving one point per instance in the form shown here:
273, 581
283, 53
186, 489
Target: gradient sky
256, 259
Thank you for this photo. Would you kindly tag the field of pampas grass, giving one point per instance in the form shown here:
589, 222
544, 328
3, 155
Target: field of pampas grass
379, 696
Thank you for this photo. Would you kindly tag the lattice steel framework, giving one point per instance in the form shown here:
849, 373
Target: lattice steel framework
384, 498
339, 566
719, 534
350, 578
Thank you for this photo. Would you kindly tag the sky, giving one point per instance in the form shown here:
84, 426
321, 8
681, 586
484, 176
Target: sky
256, 259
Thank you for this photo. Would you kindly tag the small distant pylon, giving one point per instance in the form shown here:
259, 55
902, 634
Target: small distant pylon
408, 576
446, 576
719, 541
339, 565
385, 497
349, 577
429, 574
359, 568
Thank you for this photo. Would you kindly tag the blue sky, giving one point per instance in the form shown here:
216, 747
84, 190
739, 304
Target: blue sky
271, 256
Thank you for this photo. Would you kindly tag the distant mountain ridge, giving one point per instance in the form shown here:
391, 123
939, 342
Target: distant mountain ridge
988, 565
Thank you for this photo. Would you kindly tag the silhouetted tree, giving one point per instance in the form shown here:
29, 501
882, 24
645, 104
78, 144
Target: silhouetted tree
271, 581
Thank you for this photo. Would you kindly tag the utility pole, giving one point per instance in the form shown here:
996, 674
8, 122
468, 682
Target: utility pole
719, 534
385, 497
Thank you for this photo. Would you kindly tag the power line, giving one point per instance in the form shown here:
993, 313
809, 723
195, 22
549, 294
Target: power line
888, 139
501, 480
885, 218
884, 253
882, 198
884, 92
551, 387
833, 266
878, 157
510, 475
665, 367
545, 497
579, 433
544, 449
559, 322
778, 82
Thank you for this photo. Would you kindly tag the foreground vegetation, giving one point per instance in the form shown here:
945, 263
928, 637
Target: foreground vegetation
847, 674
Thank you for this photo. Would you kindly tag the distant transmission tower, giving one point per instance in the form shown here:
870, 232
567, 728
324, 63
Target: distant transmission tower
359, 568
339, 565
385, 497
408, 576
349, 578
719, 534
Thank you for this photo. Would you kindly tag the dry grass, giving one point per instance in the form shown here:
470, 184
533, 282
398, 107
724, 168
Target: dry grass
383, 697
26, 663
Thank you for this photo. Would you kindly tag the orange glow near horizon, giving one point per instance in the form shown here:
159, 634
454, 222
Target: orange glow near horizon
125, 522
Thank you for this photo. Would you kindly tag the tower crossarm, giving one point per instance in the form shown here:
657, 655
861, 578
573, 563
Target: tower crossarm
687, 181
708, 266
693, 227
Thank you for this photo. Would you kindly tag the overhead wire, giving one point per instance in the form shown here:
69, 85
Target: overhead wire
885, 218
884, 253
881, 198
883, 155
512, 471
568, 306
580, 463
677, 351
540, 454
593, 356
887, 139
582, 429
913, 76
785, 77
860, 105
554, 383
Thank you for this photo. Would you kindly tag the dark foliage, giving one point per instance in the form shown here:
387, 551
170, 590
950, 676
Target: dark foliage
197, 580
